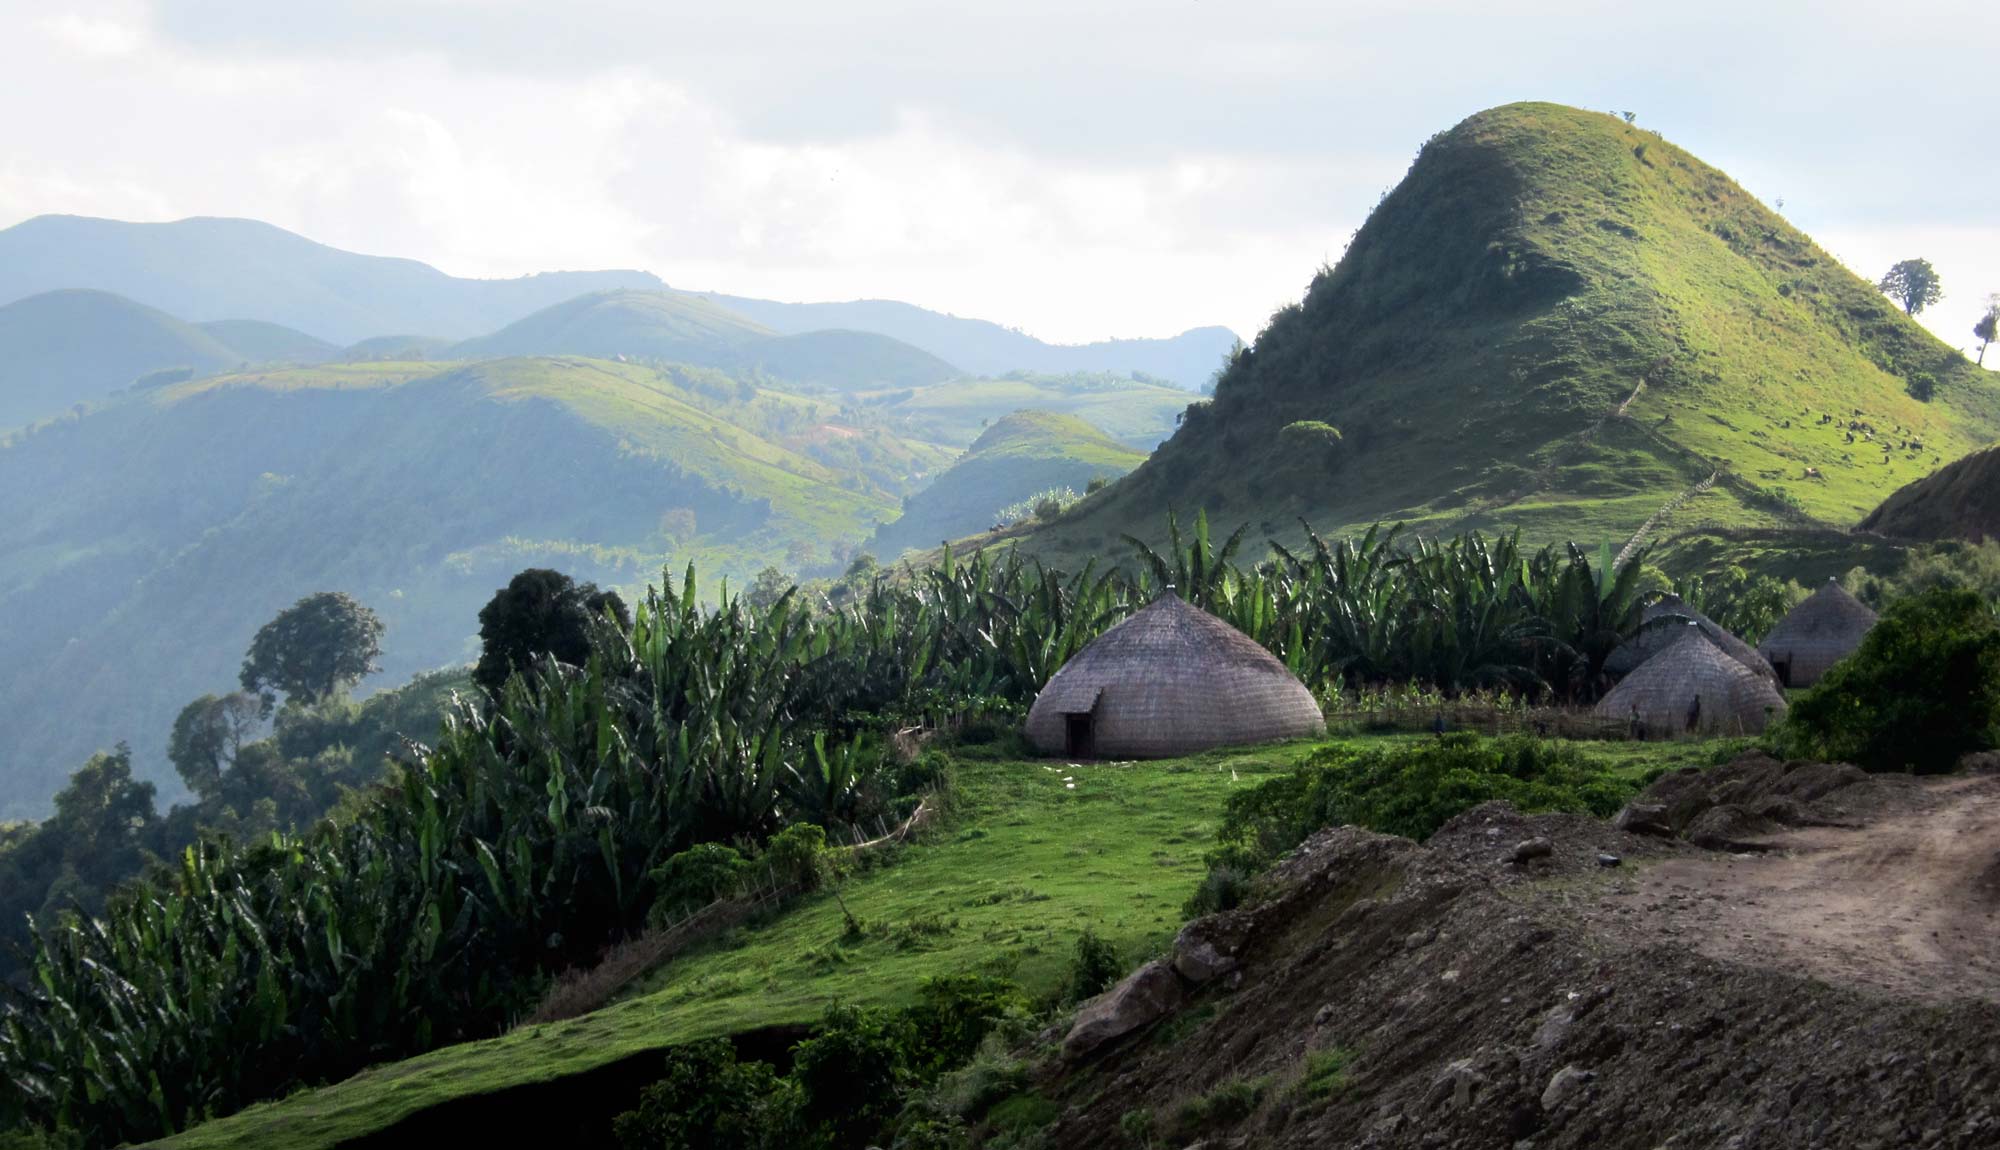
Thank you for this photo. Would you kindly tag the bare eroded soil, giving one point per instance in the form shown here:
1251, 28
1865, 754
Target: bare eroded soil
1906, 902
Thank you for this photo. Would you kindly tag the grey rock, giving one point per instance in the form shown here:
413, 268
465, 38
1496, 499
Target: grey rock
1566, 1084
1458, 1087
1198, 960
1528, 850
1144, 995
1644, 819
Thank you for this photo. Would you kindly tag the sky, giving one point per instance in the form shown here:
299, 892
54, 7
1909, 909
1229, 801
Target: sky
1081, 170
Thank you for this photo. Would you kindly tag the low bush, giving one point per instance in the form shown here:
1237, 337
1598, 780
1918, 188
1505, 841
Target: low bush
1411, 790
1922, 690
1093, 968
707, 1100
692, 879
1226, 1105
863, 1076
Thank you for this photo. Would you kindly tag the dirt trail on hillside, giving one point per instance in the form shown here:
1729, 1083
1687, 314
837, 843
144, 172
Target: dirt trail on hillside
1907, 902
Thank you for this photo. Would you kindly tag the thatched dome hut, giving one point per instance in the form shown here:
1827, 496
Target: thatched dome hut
1658, 632
1816, 634
1171, 680
1693, 687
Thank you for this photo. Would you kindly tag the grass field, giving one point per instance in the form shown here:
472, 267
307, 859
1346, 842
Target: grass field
1023, 864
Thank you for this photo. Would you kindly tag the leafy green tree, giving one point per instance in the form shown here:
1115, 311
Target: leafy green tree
1987, 327
541, 612
1922, 690
707, 1100
765, 591
1914, 284
313, 649
209, 736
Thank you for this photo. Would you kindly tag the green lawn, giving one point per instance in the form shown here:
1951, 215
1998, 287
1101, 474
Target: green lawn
1023, 864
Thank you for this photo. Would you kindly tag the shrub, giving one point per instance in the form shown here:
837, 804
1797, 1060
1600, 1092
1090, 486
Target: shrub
953, 1015
1409, 790
1224, 887
1325, 1073
694, 878
1094, 966
1137, 1126
1922, 690
848, 1075
707, 1099
797, 855
1921, 385
1226, 1105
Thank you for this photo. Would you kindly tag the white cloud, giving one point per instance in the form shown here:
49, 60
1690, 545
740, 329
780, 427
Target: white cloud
1080, 169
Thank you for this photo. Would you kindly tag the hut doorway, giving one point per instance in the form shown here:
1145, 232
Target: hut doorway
1077, 734
1784, 669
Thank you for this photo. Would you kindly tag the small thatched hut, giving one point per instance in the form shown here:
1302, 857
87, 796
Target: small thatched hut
1693, 687
1658, 632
1170, 680
1816, 634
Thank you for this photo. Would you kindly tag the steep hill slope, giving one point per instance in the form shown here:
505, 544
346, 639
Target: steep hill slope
260, 342
1560, 321
1023, 454
147, 540
1137, 413
67, 347
208, 269
684, 328
1188, 359
1960, 501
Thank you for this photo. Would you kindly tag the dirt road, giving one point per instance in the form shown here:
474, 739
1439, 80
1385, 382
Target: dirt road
1906, 903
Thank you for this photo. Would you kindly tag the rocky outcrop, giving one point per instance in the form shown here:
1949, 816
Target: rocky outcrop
1475, 1007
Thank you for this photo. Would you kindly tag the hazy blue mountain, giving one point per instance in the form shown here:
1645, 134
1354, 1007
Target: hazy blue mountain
985, 348
260, 342
663, 325
416, 348
207, 269
212, 269
62, 348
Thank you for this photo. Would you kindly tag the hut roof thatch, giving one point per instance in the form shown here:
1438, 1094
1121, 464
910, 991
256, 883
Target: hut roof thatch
1821, 631
1170, 680
1694, 686
1657, 633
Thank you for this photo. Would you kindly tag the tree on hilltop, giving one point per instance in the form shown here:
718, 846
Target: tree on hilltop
316, 647
1987, 327
1914, 284
540, 612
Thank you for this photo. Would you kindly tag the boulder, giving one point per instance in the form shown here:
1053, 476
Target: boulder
1145, 994
1644, 819
1566, 1084
1202, 953
1535, 848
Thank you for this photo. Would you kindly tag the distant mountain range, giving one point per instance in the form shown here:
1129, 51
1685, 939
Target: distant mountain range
207, 269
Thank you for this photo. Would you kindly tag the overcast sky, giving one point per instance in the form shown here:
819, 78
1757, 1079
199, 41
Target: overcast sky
1080, 169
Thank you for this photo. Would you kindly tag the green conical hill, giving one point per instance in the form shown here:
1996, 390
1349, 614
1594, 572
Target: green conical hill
1560, 321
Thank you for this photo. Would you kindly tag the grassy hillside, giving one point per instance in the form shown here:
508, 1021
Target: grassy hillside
688, 329
211, 269
1026, 863
70, 347
1186, 360
1961, 501
1136, 413
1016, 458
1560, 322
148, 540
